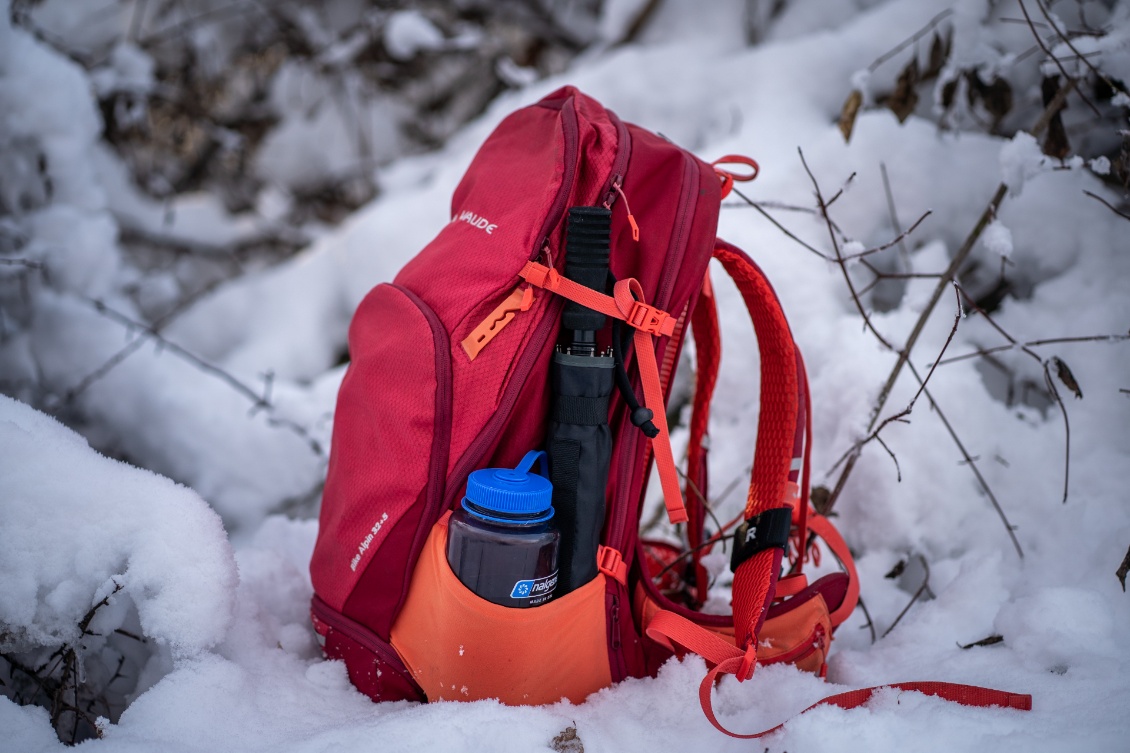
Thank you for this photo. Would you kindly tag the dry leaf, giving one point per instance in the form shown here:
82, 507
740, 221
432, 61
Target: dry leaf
939, 53
1123, 569
905, 97
897, 570
989, 641
849, 113
1065, 376
567, 742
820, 497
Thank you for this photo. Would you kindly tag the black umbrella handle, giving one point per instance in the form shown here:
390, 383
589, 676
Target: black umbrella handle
588, 230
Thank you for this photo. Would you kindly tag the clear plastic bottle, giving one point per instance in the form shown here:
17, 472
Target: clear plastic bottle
501, 542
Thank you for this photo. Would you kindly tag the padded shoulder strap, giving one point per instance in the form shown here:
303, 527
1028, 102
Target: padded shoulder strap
769, 488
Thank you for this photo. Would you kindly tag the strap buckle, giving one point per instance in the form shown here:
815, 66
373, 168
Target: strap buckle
651, 320
610, 562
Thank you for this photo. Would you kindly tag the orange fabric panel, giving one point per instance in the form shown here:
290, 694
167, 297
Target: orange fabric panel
461, 647
801, 636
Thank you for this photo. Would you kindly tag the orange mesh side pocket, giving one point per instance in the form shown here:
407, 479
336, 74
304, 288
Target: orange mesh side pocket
459, 646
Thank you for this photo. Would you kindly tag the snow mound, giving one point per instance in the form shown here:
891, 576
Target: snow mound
76, 526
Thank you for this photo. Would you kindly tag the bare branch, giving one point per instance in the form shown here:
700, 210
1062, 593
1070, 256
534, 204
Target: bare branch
1108, 205
1057, 61
910, 40
917, 594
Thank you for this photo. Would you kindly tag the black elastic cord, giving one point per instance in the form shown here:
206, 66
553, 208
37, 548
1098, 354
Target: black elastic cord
639, 415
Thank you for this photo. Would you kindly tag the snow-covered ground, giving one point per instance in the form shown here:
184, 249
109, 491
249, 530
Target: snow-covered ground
229, 660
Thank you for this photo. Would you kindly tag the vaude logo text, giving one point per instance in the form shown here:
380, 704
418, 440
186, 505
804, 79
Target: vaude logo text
477, 221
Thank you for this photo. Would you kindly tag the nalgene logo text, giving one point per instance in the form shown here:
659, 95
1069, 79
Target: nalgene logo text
477, 221
537, 590
364, 546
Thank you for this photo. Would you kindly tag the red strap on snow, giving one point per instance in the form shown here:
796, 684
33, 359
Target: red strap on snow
966, 695
627, 303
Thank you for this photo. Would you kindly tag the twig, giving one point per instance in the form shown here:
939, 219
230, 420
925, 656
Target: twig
901, 416
257, 401
870, 623
897, 240
823, 207
911, 40
1058, 63
894, 213
788, 233
972, 465
917, 594
1045, 365
1033, 344
1112, 83
951, 273
1066, 427
1107, 204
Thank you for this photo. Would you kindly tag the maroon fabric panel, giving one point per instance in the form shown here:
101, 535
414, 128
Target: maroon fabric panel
382, 438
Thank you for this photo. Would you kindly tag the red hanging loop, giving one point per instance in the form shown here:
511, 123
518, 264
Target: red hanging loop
727, 177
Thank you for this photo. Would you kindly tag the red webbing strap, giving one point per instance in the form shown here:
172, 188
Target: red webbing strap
804, 501
823, 528
776, 435
678, 635
708, 355
966, 695
627, 303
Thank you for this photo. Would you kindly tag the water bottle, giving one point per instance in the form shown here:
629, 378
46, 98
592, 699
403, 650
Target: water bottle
501, 542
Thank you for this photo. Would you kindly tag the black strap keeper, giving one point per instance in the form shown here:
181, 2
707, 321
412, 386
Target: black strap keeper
580, 411
765, 531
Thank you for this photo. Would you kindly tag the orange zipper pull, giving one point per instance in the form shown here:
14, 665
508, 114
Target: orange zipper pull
520, 299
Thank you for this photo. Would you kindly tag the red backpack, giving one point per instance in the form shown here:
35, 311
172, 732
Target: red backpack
450, 373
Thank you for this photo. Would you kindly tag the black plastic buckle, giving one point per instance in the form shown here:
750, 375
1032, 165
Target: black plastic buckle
765, 531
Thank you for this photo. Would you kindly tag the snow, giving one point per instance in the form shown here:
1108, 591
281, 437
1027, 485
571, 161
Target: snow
231, 661
408, 33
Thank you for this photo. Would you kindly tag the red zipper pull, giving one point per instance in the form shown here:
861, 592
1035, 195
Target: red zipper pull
631, 220
617, 187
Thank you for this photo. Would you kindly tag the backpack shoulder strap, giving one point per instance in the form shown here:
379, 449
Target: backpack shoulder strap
757, 560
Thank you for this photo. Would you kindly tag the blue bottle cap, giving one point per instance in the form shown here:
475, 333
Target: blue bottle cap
511, 495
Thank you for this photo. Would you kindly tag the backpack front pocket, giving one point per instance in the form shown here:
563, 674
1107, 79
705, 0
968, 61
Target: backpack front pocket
458, 646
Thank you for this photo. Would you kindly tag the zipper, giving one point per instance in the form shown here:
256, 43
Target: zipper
366, 638
486, 438
441, 439
675, 252
616, 664
814, 643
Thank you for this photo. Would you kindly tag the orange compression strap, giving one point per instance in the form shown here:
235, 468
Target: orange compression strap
627, 304
823, 528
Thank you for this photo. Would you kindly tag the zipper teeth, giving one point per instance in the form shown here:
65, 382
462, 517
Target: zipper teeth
621, 519
437, 470
570, 130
